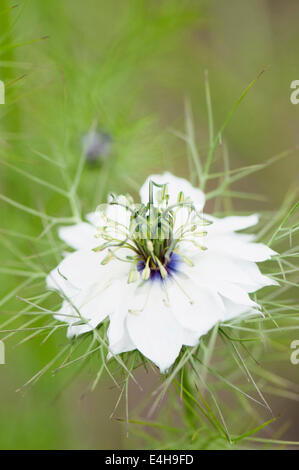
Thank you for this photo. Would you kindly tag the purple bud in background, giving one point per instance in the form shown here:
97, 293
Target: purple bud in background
97, 146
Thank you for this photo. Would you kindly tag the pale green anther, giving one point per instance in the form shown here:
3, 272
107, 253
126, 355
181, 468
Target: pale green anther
100, 247
160, 197
101, 231
146, 271
198, 245
200, 234
164, 192
107, 237
162, 270
206, 222
180, 232
133, 274
181, 197
150, 245
187, 260
108, 258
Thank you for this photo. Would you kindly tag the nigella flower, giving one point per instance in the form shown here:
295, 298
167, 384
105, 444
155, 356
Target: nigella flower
162, 271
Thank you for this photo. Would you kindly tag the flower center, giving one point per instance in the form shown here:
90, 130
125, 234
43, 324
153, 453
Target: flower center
171, 267
150, 234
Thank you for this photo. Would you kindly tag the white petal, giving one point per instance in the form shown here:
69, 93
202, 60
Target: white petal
55, 281
66, 314
210, 267
90, 307
118, 336
234, 246
198, 312
79, 236
94, 218
95, 303
231, 223
83, 268
155, 331
235, 310
175, 186
77, 330
117, 331
235, 294
119, 218
124, 344
92, 301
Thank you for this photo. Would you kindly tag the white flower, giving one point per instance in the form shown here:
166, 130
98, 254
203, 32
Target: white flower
164, 273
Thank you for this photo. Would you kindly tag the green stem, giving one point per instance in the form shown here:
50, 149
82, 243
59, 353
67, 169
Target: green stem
217, 139
188, 403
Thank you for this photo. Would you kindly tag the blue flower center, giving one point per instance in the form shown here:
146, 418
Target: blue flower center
171, 266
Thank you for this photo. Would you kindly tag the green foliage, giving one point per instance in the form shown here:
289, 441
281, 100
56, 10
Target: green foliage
218, 394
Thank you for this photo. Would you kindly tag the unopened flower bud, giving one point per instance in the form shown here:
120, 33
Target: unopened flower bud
97, 146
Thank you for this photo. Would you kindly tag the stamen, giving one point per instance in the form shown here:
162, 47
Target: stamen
191, 301
150, 234
133, 274
187, 260
108, 258
162, 270
146, 271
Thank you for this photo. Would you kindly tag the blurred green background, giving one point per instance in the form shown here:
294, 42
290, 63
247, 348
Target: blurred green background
127, 66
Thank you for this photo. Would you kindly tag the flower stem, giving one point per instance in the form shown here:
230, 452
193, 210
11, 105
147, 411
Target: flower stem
187, 386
